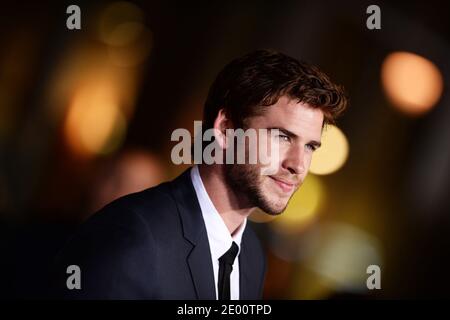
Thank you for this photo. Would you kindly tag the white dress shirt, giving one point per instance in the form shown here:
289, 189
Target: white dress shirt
219, 236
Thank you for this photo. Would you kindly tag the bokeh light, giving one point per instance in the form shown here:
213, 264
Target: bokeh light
339, 256
120, 23
121, 27
95, 123
333, 153
131, 171
133, 54
412, 83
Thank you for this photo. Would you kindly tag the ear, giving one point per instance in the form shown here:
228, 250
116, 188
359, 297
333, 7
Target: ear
221, 123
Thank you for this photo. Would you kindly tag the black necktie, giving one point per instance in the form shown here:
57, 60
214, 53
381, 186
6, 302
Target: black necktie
225, 267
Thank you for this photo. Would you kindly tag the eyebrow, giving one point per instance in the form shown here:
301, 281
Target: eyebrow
292, 135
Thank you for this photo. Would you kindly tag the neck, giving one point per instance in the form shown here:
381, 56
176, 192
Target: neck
224, 199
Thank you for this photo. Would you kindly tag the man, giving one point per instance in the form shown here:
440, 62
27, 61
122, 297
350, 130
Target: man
189, 238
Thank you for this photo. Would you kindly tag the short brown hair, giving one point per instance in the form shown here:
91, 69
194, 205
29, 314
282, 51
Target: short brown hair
260, 78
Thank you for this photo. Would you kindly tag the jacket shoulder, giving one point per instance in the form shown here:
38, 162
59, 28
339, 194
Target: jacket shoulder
116, 246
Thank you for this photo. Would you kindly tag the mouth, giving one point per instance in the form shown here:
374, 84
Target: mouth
284, 185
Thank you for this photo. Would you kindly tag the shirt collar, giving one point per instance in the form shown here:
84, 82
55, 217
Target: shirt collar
219, 236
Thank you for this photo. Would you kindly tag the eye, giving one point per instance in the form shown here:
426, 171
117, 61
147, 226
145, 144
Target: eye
311, 147
284, 137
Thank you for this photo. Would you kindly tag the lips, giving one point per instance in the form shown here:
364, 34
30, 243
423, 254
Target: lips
284, 185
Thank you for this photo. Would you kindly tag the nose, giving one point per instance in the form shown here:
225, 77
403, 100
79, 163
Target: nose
294, 161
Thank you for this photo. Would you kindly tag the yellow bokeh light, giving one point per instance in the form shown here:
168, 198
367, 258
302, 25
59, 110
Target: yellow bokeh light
302, 207
336, 260
125, 33
134, 53
94, 123
412, 83
120, 23
89, 66
333, 153
121, 27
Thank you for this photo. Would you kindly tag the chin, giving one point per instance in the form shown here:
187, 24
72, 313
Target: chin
273, 210
274, 205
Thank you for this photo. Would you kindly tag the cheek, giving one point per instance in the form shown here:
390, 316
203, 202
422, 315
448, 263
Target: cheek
269, 153
307, 164
278, 158
308, 159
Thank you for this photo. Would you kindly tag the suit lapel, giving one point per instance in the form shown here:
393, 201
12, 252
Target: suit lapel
200, 264
194, 230
249, 282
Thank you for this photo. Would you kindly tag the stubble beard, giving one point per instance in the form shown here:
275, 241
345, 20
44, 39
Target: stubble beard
245, 182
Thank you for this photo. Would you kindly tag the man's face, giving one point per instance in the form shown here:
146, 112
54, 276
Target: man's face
300, 130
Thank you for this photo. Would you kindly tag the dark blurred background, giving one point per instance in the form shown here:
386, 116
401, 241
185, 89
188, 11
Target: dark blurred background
87, 115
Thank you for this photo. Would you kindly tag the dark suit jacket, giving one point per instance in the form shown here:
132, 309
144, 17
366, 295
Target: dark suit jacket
152, 245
